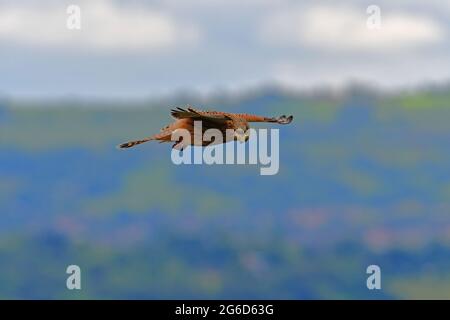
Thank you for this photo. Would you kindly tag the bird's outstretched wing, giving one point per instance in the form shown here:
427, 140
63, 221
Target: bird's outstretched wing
214, 116
218, 116
254, 118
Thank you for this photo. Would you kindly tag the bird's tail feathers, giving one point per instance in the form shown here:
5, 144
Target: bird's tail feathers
130, 144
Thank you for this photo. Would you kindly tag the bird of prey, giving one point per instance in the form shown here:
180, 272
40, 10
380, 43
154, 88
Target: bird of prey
185, 118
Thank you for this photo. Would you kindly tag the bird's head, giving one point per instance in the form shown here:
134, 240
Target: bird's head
242, 132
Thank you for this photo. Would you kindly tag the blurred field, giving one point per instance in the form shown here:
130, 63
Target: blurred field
364, 179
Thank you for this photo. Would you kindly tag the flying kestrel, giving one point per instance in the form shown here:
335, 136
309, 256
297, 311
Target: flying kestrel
223, 121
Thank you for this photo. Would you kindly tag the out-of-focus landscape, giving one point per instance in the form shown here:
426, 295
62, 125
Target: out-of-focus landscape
364, 179
364, 175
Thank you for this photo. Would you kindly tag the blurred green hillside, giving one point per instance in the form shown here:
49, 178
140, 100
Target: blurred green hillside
364, 179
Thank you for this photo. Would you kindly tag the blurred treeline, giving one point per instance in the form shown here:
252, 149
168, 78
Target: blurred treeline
364, 179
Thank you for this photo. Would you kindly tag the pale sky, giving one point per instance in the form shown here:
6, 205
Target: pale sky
148, 48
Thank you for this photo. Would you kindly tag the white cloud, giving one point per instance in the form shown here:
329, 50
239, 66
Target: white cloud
345, 29
253, 4
103, 26
388, 74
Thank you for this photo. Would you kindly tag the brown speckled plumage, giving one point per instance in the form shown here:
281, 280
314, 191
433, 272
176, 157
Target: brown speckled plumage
185, 118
